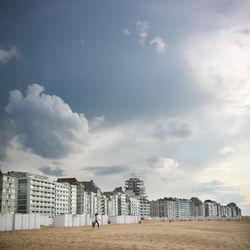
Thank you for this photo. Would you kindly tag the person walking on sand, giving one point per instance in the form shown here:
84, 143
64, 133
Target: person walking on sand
96, 219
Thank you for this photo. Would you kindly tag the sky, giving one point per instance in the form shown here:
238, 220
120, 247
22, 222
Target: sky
108, 90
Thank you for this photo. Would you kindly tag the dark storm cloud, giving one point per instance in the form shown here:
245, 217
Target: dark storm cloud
107, 170
46, 170
45, 124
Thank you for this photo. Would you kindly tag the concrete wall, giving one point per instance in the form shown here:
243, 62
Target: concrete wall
23, 221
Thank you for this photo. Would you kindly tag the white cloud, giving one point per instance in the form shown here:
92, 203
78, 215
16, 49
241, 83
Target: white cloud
126, 32
159, 162
220, 63
7, 55
45, 124
226, 150
142, 29
159, 44
97, 122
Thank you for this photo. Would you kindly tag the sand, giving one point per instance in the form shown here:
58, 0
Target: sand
148, 235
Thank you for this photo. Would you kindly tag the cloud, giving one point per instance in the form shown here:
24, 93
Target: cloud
97, 122
157, 161
159, 44
107, 170
142, 29
126, 32
174, 128
7, 55
226, 150
46, 125
52, 172
5, 137
225, 67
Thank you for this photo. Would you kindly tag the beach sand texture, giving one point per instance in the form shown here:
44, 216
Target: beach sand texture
147, 235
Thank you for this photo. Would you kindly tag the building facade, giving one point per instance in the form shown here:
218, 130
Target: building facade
8, 193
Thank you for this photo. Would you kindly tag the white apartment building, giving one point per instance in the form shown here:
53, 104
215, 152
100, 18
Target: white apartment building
133, 203
184, 207
104, 204
112, 203
198, 207
8, 193
36, 193
137, 187
62, 198
210, 208
82, 199
73, 199
144, 207
122, 201
95, 197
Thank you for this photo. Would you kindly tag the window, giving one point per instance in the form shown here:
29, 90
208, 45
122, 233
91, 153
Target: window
22, 181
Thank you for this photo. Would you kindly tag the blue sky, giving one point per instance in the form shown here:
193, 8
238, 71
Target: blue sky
113, 89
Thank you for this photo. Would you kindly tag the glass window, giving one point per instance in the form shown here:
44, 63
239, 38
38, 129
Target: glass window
23, 181
22, 202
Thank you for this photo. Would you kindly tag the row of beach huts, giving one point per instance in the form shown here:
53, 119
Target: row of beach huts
9, 222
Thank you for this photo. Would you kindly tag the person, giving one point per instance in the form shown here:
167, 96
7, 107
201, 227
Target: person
96, 219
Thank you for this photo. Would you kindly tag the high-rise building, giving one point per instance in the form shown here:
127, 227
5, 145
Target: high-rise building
122, 201
80, 197
8, 193
137, 187
63, 198
210, 208
198, 207
112, 203
36, 193
95, 197
133, 203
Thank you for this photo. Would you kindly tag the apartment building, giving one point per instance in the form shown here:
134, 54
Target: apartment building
198, 207
233, 209
95, 197
73, 199
112, 203
133, 203
137, 187
122, 201
24, 192
82, 199
210, 208
8, 193
185, 207
36, 193
62, 198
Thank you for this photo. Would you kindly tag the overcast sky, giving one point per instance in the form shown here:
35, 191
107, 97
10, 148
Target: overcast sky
108, 90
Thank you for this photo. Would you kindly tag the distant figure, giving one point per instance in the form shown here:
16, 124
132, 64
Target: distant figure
96, 219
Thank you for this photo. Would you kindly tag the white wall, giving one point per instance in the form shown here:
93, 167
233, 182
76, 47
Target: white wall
23, 221
78, 220
124, 219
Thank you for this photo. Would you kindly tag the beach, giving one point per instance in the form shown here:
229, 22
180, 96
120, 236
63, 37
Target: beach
147, 235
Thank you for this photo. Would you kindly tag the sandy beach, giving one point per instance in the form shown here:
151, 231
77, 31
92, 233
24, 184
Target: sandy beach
148, 235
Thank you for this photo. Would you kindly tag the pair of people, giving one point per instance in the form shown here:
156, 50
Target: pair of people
96, 219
